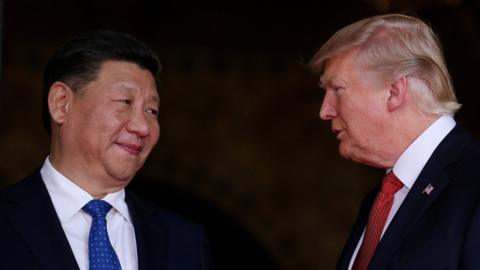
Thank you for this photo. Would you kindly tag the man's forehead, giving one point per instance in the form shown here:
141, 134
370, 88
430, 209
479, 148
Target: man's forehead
327, 74
335, 66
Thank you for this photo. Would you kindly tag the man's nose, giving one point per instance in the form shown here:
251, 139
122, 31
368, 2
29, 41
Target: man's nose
327, 110
139, 123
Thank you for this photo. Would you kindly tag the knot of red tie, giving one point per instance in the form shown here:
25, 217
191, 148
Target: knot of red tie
391, 184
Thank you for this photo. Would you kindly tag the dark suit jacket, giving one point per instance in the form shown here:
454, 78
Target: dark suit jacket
436, 231
31, 236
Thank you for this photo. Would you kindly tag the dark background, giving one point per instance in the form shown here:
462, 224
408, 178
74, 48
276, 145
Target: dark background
242, 150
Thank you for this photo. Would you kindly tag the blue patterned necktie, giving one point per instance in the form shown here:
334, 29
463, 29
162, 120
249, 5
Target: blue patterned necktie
101, 255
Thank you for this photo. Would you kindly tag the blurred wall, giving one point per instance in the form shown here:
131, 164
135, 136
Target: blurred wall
239, 125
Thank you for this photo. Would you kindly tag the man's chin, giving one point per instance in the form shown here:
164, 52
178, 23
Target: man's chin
361, 159
344, 151
123, 173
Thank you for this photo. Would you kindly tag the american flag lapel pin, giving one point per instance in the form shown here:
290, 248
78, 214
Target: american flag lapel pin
428, 189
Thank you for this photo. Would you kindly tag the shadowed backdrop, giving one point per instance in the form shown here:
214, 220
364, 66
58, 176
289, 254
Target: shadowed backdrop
242, 149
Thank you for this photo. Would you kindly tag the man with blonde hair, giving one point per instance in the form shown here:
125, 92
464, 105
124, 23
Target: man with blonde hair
390, 99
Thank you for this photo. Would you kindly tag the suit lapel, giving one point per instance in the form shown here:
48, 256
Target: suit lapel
32, 214
417, 200
151, 237
412, 209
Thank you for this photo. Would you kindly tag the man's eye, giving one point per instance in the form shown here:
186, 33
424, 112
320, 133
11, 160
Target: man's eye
338, 90
151, 111
125, 101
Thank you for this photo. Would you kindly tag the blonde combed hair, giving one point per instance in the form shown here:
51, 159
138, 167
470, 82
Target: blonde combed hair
396, 46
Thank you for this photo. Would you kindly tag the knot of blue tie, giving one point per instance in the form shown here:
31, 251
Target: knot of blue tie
97, 208
101, 255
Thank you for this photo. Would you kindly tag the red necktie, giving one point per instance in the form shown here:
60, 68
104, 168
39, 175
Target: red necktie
376, 220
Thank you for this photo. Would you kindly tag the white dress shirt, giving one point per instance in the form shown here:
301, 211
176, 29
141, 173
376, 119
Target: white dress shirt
68, 200
411, 163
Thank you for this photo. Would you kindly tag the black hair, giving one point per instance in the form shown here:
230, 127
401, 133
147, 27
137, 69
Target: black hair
78, 62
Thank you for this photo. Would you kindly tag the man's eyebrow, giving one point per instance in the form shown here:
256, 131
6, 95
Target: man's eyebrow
154, 98
321, 85
324, 81
123, 87
126, 88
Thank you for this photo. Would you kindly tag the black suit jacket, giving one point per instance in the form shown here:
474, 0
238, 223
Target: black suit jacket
440, 230
31, 236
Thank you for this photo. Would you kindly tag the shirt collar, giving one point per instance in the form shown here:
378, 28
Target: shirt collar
68, 198
413, 159
117, 201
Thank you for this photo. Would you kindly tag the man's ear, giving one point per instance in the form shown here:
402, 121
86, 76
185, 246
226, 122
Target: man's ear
397, 93
60, 98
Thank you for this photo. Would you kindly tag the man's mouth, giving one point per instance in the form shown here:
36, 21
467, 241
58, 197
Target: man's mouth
133, 149
338, 132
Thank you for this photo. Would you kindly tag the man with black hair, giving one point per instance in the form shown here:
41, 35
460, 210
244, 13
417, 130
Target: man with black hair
100, 107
